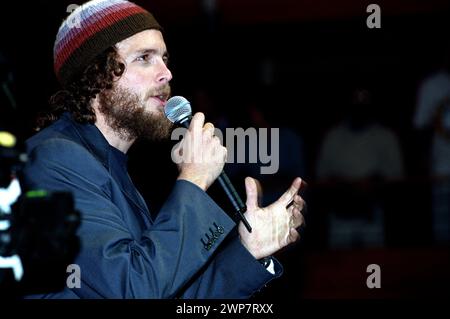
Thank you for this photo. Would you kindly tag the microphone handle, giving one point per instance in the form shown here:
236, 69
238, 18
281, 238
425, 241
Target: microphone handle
235, 199
239, 206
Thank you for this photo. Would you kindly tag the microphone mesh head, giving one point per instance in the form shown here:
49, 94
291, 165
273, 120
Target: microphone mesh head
177, 108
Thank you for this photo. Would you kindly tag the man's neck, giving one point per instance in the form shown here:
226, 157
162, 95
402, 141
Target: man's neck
113, 137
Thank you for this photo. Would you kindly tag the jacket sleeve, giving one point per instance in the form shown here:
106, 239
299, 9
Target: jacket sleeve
117, 262
233, 273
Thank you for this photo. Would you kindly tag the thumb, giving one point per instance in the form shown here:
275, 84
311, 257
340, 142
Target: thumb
252, 193
197, 122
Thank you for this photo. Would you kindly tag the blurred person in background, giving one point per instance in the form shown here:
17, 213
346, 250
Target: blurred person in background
433, 116
357, 157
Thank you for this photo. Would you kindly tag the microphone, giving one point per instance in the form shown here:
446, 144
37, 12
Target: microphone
178, 110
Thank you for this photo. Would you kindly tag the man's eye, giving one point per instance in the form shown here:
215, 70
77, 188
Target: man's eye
166, 60
145, 57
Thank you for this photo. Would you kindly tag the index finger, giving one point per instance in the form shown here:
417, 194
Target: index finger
288, 196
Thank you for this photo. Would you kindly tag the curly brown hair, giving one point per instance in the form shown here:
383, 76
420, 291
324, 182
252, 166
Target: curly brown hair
77, 97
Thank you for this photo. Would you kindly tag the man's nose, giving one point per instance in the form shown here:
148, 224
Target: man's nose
164, 74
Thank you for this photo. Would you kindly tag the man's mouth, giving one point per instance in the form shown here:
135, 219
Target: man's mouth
161, 98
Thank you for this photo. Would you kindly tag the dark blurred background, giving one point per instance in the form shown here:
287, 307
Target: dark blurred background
346, 99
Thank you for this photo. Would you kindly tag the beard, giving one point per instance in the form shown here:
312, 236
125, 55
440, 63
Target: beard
125, 113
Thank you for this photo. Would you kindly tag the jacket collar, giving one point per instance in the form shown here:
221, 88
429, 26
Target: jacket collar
91, 137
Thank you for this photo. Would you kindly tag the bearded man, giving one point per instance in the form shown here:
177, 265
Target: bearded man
111, 60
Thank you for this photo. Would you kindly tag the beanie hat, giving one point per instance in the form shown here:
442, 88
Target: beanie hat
92, 28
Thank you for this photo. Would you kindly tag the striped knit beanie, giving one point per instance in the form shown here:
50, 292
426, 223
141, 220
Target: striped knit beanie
92, 28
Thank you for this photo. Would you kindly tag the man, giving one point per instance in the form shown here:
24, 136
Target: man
432, 118
356, 155
111, 59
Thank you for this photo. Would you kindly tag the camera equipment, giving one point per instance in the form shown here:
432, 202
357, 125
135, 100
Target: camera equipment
37, 230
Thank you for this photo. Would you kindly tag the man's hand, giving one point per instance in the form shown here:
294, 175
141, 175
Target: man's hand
202, 153
274, 226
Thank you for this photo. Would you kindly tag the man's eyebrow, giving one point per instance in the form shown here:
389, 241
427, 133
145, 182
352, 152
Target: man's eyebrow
148, 51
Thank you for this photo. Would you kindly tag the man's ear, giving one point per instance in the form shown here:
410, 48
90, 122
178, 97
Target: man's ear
121, 61
120, 71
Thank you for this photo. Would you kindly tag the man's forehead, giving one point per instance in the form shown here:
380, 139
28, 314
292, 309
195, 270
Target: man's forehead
144, 40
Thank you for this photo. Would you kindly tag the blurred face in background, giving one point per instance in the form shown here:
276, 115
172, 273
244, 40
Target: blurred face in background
360, 113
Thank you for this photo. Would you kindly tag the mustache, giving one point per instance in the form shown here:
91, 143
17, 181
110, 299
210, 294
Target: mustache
165, 91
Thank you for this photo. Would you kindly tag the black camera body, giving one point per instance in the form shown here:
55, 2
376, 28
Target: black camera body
37, 233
